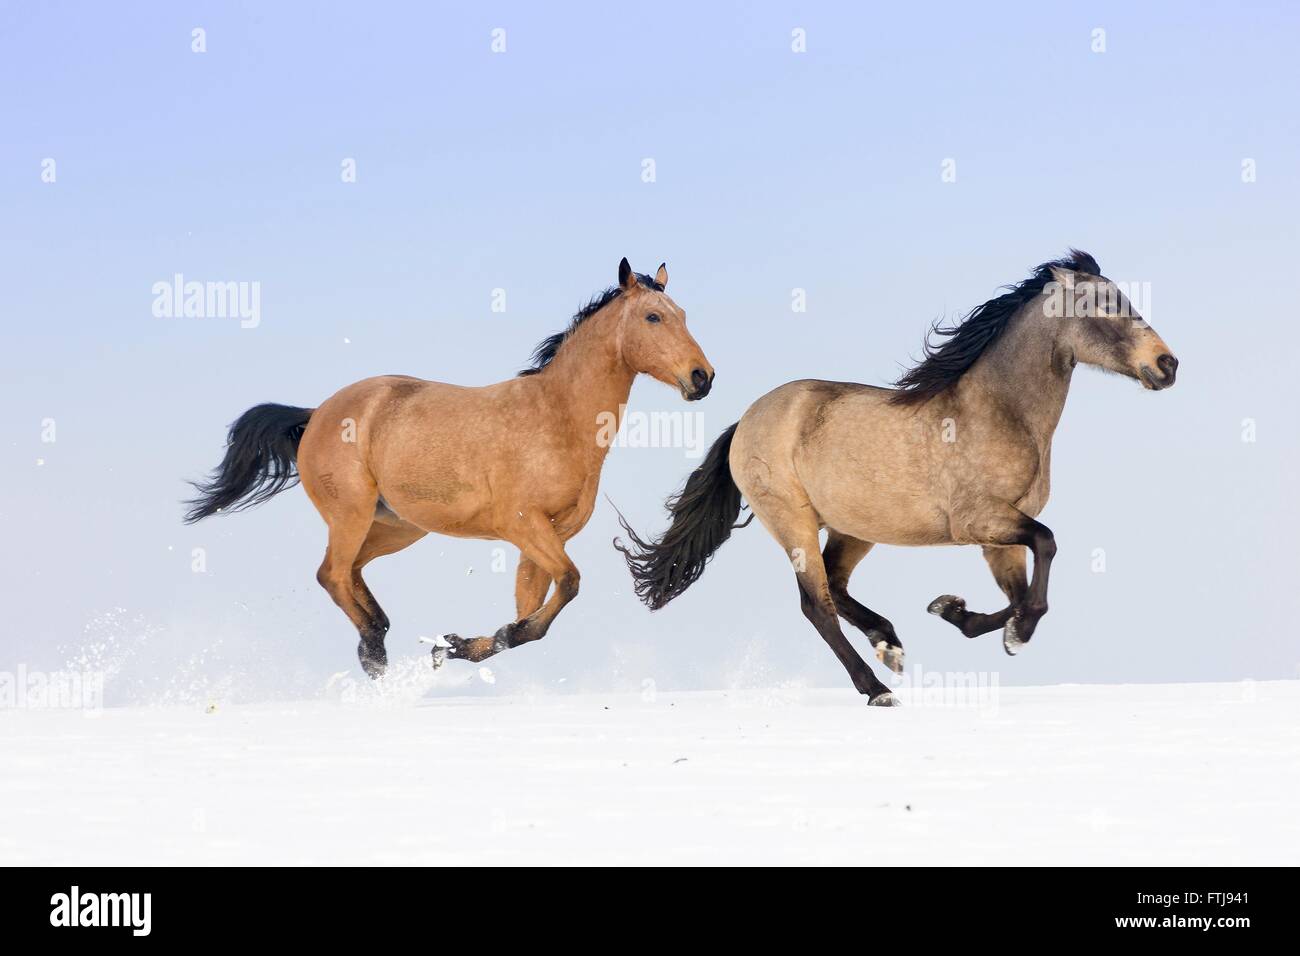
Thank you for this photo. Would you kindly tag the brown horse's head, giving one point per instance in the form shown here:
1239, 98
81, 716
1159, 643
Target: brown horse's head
654, 338
1102, 328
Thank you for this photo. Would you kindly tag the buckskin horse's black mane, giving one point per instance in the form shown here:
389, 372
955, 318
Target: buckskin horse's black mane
964, 342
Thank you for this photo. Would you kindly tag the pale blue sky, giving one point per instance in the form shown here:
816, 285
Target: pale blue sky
522, 171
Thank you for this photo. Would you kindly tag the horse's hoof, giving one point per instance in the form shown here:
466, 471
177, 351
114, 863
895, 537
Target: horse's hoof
374, 659
946, 604
884, 700
1012, 642
443, 647
890, 655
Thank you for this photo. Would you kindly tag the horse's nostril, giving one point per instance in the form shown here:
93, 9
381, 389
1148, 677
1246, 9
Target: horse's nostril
700, 379
1168, 364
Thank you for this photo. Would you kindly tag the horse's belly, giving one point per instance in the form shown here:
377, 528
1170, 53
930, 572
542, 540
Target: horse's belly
442, 504
886, 519
875, 497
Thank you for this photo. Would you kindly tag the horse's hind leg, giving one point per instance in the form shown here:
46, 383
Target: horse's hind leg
841, 555
347, 534
384, 537
795, 529
350, 512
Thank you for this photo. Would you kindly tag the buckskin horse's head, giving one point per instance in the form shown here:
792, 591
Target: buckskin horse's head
1103, 328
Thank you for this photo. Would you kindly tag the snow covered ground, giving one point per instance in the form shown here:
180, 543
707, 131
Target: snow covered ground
1138, 774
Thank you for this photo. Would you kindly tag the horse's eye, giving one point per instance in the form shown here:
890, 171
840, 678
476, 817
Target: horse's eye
652, 317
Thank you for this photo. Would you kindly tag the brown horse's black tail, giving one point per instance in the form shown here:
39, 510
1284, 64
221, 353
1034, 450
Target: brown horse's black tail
260, 461
704, 514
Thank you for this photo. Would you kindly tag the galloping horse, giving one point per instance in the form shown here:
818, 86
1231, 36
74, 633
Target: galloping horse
957, 453
388, 460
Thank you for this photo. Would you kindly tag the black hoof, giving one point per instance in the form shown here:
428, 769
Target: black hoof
949, 607
446, 646
374, 659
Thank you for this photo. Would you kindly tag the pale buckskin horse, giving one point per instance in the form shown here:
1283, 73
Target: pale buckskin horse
957, 453
391, 459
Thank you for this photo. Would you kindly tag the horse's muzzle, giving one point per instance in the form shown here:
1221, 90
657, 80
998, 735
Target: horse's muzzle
701, 385
1164, 378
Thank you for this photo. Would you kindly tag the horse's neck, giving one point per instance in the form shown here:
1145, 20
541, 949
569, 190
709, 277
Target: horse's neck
1021, 376
588, 383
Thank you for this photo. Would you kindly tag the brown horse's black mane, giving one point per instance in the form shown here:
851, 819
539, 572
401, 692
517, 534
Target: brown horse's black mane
544, 354
964, 342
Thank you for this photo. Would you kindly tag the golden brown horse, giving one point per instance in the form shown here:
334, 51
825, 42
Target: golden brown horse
390, 459
958, 453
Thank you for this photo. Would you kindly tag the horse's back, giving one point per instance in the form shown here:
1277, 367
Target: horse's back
366, 410
794, 416
770, 438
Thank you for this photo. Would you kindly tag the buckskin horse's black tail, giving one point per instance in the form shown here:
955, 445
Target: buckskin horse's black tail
260, 461
704, 514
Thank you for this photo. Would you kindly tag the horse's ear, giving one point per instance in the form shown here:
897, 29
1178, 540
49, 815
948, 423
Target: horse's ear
662, 275
626, 277
1064, 276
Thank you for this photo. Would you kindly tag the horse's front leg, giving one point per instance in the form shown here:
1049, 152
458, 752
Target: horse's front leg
1008, 567
542, 560
531, 585
1024, 619
1010, 531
